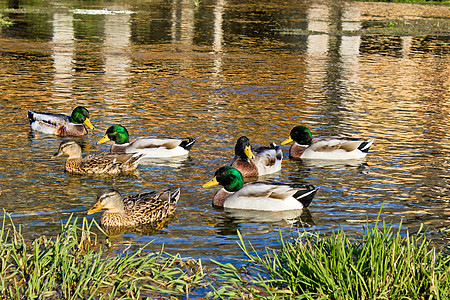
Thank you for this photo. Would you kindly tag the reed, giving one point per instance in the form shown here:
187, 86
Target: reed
380, 264
74, 266
4, 21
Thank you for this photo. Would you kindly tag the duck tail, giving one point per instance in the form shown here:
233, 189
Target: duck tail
175, 196
171, 196
364, 147
278, 150
273, 146
187, 144
135, 160
31, 116
306, 195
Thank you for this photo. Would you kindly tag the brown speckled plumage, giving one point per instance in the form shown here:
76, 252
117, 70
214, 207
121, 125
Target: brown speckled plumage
101, 163
135, 210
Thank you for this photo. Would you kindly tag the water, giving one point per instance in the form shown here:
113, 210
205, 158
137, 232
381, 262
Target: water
219, 71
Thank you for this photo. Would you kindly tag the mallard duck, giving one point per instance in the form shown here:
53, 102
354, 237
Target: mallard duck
134, 210
150, 147
260, 161
99, 163
258, 195
59, 124
306, 146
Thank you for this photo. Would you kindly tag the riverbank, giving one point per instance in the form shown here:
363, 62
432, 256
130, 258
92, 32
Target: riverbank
75, 265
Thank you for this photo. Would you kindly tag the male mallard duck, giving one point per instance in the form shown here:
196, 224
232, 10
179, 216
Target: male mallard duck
139, 209
265, 160
258, 195
59, 124
306, 146
150, 147
100, 163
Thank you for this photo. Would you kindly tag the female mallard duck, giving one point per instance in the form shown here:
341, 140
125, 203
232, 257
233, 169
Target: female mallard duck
258, 195
59, 124
306, 146
100, 163
260, 161
139, 209
150, 147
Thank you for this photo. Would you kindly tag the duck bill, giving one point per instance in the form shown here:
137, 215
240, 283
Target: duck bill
57, 154
287, 141
96, 208
88, 123
212, 182
248, 152
103, 140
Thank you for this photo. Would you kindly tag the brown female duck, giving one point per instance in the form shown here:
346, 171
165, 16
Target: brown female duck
134, 210
101, 163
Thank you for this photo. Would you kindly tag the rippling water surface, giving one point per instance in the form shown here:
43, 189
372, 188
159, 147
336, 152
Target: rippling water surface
218, 71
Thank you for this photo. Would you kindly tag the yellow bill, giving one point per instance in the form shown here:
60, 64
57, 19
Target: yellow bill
88, 123
96, 208
212, 182
248, 152
287, 141
103, 140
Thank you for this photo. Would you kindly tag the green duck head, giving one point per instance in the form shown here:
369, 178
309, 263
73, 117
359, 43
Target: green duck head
300, 134
243, 149
116, 133
228, 177
80, 115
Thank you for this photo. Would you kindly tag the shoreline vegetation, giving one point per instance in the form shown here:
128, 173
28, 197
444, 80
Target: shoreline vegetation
381, 263
411, 1
4, 21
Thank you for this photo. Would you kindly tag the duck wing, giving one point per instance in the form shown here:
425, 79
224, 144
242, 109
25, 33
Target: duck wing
49, 118
329, 144
106, 162
150, 143
152, 206
261, 189
264, 196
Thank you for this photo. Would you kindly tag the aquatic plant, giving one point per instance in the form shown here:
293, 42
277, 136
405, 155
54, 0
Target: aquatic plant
4, 21
74, 266
381, 264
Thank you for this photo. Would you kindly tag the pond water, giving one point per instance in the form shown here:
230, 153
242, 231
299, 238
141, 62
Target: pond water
218, 71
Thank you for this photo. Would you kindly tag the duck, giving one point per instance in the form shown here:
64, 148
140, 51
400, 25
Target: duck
134, 210
150, 147
325, 148
258, 195
98, 163
261, 161
59, 124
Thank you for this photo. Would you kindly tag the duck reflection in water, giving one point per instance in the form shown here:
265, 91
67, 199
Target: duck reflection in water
231, 220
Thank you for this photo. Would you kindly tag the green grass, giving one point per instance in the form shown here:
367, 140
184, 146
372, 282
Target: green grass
410, 1
4, 21
74, 266
379, 264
